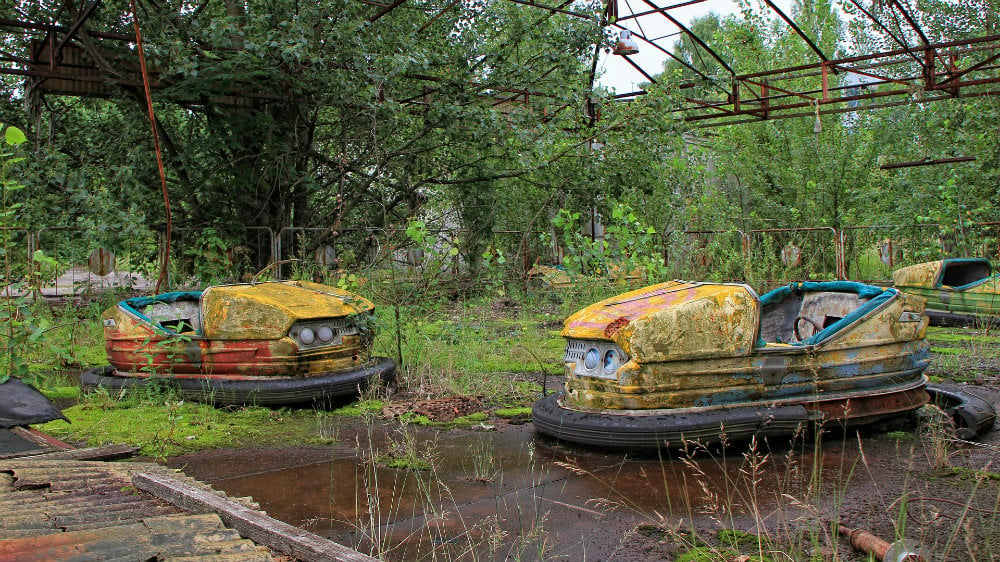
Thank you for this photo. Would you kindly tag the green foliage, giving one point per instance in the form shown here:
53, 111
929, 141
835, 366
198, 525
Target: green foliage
212, 261
20, 330
630, 247
282, 113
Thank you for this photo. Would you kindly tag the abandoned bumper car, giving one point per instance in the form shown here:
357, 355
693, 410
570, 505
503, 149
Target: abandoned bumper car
269, 343
682, 362
959, 292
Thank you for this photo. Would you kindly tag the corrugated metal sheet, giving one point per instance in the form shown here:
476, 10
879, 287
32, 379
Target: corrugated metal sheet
90, 510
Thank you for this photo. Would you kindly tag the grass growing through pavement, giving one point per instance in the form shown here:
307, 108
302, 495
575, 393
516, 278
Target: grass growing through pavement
964, 354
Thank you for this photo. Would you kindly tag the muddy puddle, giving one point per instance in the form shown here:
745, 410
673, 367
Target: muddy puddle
507, 493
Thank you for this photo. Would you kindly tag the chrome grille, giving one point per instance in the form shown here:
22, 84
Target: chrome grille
574, 351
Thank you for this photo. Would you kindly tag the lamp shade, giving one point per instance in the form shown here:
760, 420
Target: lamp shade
626, 45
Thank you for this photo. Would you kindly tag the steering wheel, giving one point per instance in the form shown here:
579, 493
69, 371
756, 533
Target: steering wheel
795, 326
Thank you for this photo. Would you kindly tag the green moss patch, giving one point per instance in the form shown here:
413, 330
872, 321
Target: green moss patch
706, 554
511, 413
61, 392
169, 427
357, 409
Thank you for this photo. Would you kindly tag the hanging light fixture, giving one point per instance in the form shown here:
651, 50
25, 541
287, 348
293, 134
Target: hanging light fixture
626, 45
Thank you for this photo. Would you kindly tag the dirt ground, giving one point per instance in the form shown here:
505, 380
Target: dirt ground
499, 491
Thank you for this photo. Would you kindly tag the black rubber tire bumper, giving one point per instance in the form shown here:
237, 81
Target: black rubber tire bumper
663, 429
276, 391
958, 320
971, 414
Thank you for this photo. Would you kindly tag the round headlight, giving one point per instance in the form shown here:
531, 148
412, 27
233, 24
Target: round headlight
306, 336
611, 361
325, 334
591, 359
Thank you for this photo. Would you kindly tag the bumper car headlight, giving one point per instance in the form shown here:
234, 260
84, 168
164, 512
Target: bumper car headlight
594, 358
325, 334
307, 336
612, 360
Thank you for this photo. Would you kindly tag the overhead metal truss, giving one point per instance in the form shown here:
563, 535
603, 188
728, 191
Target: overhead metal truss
919, 69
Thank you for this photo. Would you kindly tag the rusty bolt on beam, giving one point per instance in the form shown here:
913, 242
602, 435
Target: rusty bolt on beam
899, 551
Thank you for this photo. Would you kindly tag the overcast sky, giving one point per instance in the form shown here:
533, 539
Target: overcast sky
620, 76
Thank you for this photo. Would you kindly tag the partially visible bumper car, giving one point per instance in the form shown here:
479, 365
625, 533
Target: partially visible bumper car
959, 292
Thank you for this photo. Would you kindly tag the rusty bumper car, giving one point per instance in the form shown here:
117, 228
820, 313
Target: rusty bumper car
270, 343
682, 362
959, 292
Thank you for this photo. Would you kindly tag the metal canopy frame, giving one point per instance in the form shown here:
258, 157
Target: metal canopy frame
927, 70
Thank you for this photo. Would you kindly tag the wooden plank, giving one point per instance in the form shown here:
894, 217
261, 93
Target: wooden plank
107, 452
252, 524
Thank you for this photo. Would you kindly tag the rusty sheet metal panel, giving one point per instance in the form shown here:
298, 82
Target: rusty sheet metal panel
672, 321
243, 331
205, 358
550, 277
267, 310
86, 510
920, 275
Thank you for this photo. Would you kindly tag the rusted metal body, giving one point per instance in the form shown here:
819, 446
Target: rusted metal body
899, 551
89, 511
549, 277
86, 510
552, 277
252, 334
831, 351
957, 290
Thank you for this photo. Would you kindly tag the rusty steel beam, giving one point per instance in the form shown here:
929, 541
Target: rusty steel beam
833, 111
978, 66
683, 62
913, 23
553, 9
694, 37
639, 68
89, 11
928, 162
386, 10
35, 26
860, 58
886, 30
659, 10
797, 30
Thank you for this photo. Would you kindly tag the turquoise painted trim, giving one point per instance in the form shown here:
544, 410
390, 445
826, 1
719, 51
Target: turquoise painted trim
989, 269
858, 313
133, 305
879, 297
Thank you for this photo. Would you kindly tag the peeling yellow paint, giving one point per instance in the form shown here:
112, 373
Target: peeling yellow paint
696, 345
268, 310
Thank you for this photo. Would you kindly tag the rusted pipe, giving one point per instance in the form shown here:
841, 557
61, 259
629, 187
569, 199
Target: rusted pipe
899, 551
